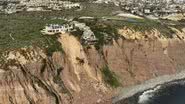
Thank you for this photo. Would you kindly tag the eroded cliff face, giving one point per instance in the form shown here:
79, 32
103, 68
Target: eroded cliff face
29, 76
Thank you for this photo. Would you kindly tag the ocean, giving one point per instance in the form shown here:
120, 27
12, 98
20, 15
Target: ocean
167, 93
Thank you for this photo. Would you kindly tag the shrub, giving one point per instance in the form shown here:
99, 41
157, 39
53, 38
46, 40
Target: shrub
109, 77
53, 45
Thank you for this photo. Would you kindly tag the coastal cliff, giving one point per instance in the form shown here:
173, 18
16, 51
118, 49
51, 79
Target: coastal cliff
81, 74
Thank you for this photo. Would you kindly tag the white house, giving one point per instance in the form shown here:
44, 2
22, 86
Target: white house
69, 5
53, 29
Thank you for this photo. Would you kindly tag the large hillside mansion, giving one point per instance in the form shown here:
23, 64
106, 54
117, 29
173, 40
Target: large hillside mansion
53, 29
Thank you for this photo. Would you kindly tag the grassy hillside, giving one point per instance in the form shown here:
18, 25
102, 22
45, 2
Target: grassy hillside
24, 30
106, 29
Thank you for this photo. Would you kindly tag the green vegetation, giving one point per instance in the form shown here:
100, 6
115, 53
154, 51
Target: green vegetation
162, 25
106, 29
53, 45
21, 30
104, 32
143, 25
77, 33
109, 77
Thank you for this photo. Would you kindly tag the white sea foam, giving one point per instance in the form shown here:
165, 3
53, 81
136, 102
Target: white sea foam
130, 91
145, 96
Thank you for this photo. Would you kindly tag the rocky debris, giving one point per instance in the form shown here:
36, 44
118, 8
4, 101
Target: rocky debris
74, 51
88, 36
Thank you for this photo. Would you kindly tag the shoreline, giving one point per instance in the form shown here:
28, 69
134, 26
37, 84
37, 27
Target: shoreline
149, 84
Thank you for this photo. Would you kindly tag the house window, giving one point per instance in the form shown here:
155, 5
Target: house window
49, 30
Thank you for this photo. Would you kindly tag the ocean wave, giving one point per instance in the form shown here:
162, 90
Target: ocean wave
147, 95
150, 84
